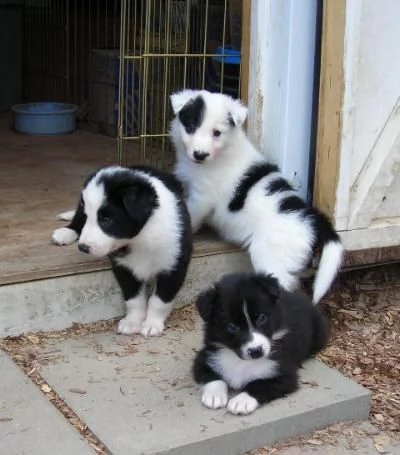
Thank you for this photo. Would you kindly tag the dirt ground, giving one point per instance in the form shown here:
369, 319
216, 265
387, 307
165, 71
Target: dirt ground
364, 309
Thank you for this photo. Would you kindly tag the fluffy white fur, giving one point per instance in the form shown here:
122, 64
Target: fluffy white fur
278, 244
239, 372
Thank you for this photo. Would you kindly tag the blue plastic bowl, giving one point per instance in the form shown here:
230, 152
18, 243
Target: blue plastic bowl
44, 119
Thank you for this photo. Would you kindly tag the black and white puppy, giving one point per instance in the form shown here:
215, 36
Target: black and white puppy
256, 337
232, 187
137, 217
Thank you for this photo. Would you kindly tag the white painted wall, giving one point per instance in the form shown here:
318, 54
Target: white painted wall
281, 83
367, 208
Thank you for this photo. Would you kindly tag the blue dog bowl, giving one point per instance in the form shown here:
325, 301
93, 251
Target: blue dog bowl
44, 119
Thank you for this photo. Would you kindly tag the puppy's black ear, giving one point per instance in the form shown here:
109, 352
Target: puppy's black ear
269, 284
139, 201
205, 302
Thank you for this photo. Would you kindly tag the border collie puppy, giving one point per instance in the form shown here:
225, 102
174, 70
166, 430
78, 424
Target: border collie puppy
230, 186
255, 340
137, 217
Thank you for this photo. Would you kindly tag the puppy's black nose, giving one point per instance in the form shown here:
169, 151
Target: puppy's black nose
200, 156
84, 248
255, 353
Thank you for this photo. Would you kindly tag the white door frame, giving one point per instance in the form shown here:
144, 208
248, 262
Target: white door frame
281, 81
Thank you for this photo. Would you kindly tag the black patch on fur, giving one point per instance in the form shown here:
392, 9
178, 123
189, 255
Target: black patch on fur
192, 114
307, 331
129, 202
253, 175
291, 204
231, 121
277, 186
129, 284
79, 219
323, 228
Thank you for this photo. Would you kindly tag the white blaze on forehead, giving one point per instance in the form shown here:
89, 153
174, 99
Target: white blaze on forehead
93, 197
257, 339
247, 316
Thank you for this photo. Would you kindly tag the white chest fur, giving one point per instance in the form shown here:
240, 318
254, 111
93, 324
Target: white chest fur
236, 372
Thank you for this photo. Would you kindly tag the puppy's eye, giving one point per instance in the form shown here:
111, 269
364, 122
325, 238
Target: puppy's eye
232, 328
216, 133
261, 319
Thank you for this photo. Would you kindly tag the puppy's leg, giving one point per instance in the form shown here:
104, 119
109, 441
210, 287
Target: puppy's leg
133, 291
69, 234
215, 390
198, 212
161, 302
262, 391
287, 280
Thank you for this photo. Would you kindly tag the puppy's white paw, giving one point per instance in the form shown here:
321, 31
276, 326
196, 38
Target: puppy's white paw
129, 325
64, 236
242, 404
66, 216
215, 395
152, 326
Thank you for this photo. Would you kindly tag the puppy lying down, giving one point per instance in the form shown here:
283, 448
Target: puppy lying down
256, 336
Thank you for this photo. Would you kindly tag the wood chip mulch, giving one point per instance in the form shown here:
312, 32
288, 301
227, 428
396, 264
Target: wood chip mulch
364, 308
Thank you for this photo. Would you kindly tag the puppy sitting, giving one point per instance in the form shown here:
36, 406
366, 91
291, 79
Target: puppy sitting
231, 187
256, 337
137, 217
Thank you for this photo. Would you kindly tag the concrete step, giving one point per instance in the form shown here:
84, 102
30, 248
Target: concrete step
29, 424
138, 397
56, 303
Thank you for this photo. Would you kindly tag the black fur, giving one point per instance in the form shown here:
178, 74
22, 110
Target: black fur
291, 204
192, 114
130, 201
222, 306
277, 186
253, 175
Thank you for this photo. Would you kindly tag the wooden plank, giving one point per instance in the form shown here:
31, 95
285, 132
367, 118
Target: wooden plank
329, 131
245, 51
371, 256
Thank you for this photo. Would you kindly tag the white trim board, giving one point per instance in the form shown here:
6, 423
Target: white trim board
281, 73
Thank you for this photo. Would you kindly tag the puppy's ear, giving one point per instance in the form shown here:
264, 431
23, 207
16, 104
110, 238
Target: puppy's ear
139, 201
237, 112
269, 284
205, 302
179, 99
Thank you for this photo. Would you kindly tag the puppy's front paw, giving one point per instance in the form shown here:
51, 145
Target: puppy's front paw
215, 395
64, 236
152, 326
242, 404
129, 325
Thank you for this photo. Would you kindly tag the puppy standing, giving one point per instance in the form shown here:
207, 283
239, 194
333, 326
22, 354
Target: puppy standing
255, 340
230, 186
137, 217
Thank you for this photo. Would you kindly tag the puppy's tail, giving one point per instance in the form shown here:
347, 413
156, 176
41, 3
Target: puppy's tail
66, 216
331, 257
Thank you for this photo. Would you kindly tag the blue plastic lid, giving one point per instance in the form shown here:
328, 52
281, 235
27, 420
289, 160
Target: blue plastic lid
228, 55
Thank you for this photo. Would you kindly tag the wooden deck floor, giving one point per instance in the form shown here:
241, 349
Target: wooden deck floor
39, 177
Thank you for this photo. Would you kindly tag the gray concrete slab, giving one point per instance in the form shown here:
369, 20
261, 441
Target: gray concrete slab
29, 423
138, 397
56, 303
